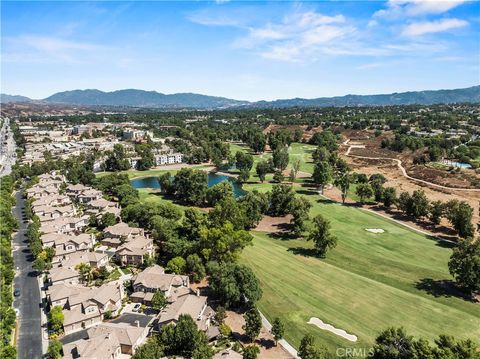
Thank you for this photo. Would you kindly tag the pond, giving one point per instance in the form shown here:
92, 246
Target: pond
213, 179
457, 164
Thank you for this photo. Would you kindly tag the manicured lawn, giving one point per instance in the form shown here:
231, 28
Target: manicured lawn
150, 195
366, 284
154, 172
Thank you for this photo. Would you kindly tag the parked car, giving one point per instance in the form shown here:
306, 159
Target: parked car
136, 307
16, 292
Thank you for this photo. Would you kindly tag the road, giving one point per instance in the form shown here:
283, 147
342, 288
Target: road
7, 148
29, 336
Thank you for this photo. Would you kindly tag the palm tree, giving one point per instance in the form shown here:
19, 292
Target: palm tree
85, 271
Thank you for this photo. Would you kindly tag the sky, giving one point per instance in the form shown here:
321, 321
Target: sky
244, 50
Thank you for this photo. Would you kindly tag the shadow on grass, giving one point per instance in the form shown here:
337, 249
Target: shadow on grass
302, 251
442, 288
283, 235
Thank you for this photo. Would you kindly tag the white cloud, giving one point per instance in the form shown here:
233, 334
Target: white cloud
402, 8
428, 27
296, 36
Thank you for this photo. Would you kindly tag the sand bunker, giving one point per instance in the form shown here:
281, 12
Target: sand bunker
374, 230
332, 329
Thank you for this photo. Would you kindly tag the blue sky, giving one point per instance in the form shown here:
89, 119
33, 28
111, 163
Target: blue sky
244, 50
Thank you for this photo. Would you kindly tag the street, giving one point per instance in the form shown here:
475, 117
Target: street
29, 336
7, 148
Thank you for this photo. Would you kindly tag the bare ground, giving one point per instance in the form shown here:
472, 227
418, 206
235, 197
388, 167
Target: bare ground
265, 341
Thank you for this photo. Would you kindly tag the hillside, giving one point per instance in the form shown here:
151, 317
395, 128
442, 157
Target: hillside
140, 98
153, 99
470, 94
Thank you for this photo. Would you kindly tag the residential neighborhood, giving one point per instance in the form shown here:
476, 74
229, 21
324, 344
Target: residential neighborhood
64, 211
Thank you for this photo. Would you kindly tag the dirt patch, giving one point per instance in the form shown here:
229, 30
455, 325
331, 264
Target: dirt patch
265, 341
397, 180
274, 224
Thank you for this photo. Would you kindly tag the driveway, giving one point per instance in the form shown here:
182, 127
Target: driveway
29, 336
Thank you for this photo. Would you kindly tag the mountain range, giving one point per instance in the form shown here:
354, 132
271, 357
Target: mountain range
153, 99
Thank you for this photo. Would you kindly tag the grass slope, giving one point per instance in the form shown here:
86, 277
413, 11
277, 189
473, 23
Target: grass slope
366, 284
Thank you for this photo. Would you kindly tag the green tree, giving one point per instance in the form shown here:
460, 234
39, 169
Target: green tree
158, 300
117, 159
322, 174
244, 161
54, 349
184, 339
176, 265
280, 158
251, 352
262, 169
220, 315
435, 212
393, 343
191, 186
108, 219
321, 236
231, 283
223, 244
195, 267
147, 159
55, 319
85, 272
152, 349
244, 175
278, 329
464, 264
219, 192
166, 183
389, 196
280, 199
278, 177
299, 209
459, 214
309, 350
253, 323
364, 191
419, 205
343, 183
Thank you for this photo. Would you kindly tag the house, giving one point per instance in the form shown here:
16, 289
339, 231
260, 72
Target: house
94, 259
53, 199
194, 305
88, 195
87, 308
118, 234
129, 336
54, 212
103, 346
102, 206
133, 251
75, 189
64, 225
153, 279
63, 275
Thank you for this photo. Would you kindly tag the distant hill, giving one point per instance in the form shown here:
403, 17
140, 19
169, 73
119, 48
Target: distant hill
4, 98
140, 98
153, 99
470, 94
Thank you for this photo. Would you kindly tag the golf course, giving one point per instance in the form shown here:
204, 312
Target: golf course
369, 282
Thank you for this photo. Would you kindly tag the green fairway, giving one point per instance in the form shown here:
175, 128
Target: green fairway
149, 173
366, 284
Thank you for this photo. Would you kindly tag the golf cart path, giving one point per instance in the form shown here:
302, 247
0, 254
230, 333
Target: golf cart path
403, 170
